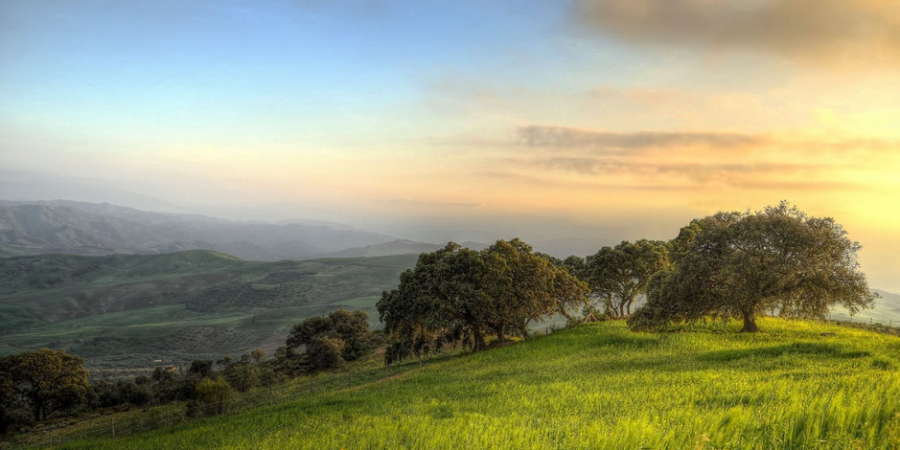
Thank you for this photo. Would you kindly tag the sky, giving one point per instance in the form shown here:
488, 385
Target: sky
566, 120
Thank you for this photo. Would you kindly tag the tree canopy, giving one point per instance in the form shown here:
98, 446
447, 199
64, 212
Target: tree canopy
460, 295
342, 334
618, 275
735, 264
44, 380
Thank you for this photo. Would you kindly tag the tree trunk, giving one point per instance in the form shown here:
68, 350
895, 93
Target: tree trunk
38, 412
749, 323
479, 339
501, 337
628, 309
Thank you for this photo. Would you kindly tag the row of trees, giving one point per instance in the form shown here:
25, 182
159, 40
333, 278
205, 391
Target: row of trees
728, 265
39, 383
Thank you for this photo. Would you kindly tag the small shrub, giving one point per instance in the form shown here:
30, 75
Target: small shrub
324, 353
213, 396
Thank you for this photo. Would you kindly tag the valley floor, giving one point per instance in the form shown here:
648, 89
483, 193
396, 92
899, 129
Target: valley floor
597, 386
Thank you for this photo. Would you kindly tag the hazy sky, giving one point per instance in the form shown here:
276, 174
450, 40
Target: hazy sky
625, 118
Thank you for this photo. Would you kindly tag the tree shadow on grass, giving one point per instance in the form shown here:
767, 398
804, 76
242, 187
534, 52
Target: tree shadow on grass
796, 348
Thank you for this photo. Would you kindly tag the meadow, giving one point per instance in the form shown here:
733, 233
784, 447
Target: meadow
797, 385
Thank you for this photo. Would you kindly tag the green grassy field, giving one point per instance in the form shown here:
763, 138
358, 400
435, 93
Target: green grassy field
597, 386
125, 313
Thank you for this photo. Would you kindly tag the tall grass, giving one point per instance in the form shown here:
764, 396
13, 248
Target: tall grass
597, 387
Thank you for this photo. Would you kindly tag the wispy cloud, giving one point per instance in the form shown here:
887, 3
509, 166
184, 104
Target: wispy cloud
801, 29
551, 136
427, 203
553, 156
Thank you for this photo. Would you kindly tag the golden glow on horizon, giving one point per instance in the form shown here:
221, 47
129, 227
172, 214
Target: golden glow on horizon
621, 114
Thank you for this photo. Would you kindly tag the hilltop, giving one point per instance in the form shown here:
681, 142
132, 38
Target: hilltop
126, 311
599, 386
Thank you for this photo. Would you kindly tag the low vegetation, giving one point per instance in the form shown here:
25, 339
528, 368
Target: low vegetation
799, 385
38, 383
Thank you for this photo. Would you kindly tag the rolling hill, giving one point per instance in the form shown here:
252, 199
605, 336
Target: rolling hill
126, 311
886, 310
102, 228
799, 385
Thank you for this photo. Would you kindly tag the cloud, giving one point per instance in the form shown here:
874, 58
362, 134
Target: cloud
811, 30
427, 203
648, 160
551, 136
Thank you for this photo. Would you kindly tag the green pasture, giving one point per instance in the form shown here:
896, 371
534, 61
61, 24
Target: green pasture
797, 385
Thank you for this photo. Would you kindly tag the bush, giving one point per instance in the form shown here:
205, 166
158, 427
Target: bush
213, 396
324, 353
648, 318
351, 328
242, 376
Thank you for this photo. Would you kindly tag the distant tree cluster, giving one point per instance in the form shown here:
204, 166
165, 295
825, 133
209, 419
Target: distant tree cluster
741, 264
329, 342
39, 384
459, 296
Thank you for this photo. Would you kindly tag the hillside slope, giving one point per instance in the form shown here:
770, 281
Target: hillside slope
885, 311
598, 387
102, 228
122, 311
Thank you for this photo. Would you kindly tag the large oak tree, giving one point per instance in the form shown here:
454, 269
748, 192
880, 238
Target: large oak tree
735, 264
44, 380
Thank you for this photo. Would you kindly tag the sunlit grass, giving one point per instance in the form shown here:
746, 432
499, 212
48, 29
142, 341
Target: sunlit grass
597, 387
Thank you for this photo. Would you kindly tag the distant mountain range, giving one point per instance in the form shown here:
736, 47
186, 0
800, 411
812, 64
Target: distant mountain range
40, 227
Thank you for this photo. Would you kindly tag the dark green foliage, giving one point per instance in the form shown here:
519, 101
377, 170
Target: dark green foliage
777, 261
348, 329
618, 275
288, 362
213, 395
109, 394
242, 376
304, 332
324, 353
201, 368
44, 381
353, 329
258, 355
457, 295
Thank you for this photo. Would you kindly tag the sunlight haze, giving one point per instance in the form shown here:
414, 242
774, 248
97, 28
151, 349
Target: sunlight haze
589, 119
